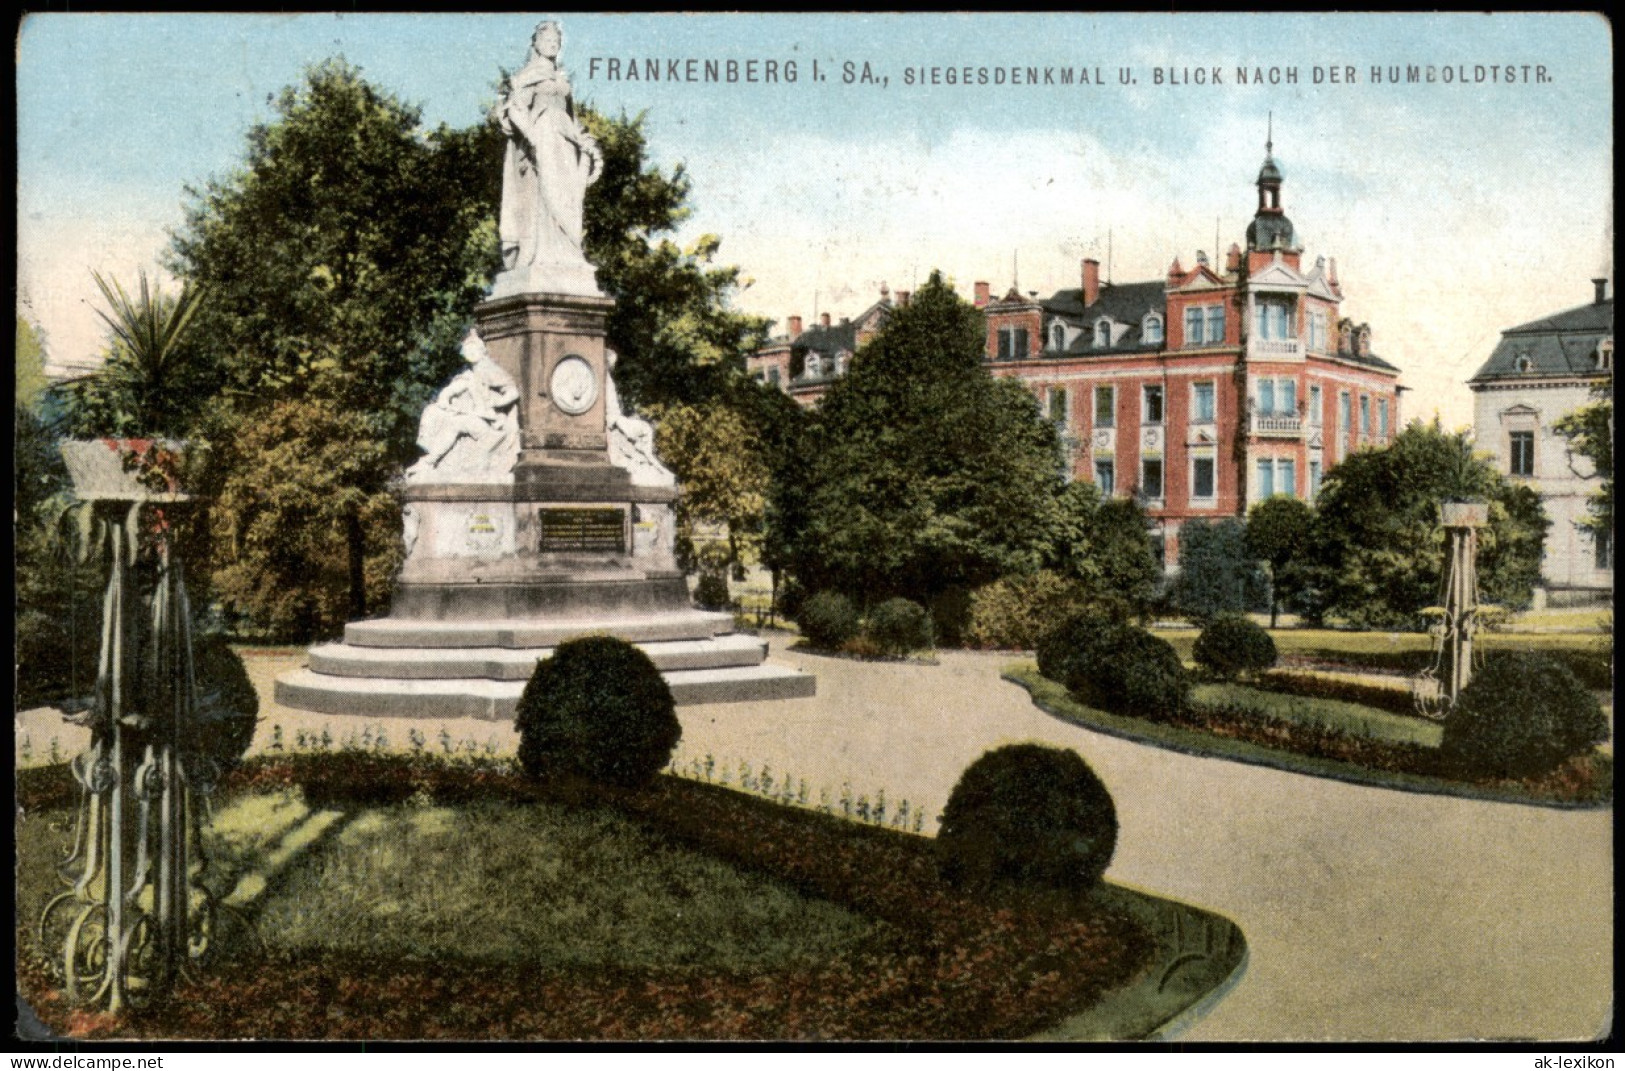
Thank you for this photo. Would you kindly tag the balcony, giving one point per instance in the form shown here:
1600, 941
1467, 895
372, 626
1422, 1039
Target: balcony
1275, 425
1274, 349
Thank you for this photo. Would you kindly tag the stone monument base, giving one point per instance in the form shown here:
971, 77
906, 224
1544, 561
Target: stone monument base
497, 576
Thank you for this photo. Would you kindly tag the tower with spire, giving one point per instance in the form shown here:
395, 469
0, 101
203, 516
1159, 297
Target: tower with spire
1270, 229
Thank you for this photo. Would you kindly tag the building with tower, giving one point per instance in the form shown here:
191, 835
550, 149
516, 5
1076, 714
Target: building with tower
1205, 391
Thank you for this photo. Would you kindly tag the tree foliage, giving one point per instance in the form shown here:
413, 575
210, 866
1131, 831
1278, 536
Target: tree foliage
927, 473
724, 476
1106, 546
1377, 547
1278, 531
1217, 572
1590, 432
306, 533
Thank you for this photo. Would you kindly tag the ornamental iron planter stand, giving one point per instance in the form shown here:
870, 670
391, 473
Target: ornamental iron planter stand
136, 912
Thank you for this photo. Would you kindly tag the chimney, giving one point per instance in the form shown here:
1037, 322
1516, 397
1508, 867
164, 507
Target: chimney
1091, 281
983, 294
845, 320
1602, 290
1232, 260
823, 319
795, 327
1362, 340
885, 294
902, 298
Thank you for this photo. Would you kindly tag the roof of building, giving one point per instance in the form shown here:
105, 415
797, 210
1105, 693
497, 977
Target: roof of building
1564, 343
1123, 303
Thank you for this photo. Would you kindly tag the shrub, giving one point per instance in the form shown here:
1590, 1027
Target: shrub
1231, 645
950, 615
228, 703
1286, 682
1028, 814
1072, 641
1017, 611
711, 593
1137, 674
598, 708
1523, 714
828, 619
898, 626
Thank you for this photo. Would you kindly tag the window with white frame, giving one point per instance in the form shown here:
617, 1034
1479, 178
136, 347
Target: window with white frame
1012, 343
1317, 330
1151, 477
1106, 476
1276, 320
1314, 404
1343, 413
1521, 453
1204, 325
1103, 333
1275, 476
1202, 403
1057, 336
1057, 405
1105, 406
1365, 414
1314, 479
1151, 404
1204, 476
1151, 330
1277, 396
1382, 417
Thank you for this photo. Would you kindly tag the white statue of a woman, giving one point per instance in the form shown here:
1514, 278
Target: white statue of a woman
550, 162
470, 432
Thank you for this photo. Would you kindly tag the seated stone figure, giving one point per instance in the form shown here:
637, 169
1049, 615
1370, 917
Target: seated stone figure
631, 441
470, 432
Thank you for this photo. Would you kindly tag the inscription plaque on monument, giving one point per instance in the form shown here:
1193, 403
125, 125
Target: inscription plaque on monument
594, 530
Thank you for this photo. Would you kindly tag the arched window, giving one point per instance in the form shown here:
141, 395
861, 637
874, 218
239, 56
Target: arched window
1057, 336
1521, 362
1151, 329
1103, 333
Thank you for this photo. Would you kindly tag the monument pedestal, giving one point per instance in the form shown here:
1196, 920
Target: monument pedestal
499, 573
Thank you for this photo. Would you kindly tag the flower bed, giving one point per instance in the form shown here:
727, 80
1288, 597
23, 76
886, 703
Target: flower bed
948, 966
1245, 733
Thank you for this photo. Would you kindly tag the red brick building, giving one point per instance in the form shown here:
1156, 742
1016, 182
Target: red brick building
1205, 391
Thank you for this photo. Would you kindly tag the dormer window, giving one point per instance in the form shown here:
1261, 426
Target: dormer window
841, 360
1151, 330
815, 366
1057, 336
1521, 363
1605, 357
1103, 333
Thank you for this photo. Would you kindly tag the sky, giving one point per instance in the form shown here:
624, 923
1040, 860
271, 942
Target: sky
1454, 209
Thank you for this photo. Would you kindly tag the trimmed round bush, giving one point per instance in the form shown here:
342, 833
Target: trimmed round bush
1027, 814
711, 593
1115, 667
898, 626
597, 708
1072, 642
1231, 645
1523, 714
828, 619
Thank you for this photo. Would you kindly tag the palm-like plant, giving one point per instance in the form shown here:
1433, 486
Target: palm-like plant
142, 386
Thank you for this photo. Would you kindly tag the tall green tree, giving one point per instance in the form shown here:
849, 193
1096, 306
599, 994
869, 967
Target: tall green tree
1105, 544
344, 256
927, 474
1278, 530
1377, 547
1217, 572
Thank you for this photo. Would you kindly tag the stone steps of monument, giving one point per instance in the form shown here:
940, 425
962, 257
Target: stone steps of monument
375, 697
513, 634
517, 663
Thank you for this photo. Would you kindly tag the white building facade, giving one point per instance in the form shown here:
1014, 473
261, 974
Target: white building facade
1539, 373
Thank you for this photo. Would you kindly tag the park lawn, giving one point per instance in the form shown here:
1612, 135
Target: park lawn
1353, 718
403, 897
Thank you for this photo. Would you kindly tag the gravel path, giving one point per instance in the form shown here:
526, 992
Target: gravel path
1370, 914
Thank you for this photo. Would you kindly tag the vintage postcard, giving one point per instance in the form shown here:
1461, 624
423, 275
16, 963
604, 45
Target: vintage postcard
1072, 527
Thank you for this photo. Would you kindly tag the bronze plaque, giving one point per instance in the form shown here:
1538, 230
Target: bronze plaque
593, 530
